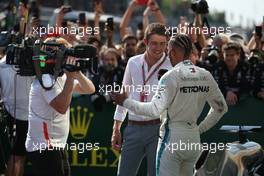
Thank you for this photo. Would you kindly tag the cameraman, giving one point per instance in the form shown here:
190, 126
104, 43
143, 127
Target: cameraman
14, 93
49, 119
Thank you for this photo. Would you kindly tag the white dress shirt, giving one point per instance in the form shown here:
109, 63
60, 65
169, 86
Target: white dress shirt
133, 82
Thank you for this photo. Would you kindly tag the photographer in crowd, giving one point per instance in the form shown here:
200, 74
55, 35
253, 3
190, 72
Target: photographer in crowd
109, 75
49, 119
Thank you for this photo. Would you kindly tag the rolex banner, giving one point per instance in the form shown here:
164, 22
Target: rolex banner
89, 142
90, 133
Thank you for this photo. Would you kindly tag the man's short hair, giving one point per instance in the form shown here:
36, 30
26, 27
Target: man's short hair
232, 46
182, 41
155, 28
129, 37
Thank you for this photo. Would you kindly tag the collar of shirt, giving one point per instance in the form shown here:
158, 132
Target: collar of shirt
184, 62
153, 66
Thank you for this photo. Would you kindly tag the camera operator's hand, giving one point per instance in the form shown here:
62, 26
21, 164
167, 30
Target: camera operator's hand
84, 86
70, 65
231, 98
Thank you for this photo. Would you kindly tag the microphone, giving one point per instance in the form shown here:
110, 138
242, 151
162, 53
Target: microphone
161, 73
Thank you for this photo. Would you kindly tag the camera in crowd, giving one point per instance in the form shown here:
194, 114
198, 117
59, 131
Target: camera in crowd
21, 56
256, 57
109, 24
9, 37
24, 55
200, 6
213, 54
34, 57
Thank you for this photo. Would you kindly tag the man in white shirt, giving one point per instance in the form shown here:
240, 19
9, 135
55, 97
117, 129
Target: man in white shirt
141, 78
14, 91
183, 92
49, 120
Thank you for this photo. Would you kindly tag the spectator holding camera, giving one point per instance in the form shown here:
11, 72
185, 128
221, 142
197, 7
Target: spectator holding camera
110, 75
49, 119
60, 13
109, 30
232, 74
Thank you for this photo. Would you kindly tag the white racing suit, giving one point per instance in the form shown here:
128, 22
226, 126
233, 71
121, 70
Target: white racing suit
183, 92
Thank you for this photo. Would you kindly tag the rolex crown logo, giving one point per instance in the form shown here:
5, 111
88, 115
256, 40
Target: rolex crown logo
80, 122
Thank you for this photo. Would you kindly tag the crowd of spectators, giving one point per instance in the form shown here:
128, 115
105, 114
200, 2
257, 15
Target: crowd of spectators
236, 64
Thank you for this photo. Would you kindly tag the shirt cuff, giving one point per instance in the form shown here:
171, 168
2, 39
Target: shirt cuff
119, 116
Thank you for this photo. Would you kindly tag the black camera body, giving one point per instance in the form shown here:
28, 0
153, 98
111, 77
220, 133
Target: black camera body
213, 54
200, 6
24, 55
110, 23
7, 37
48, 59
20, 55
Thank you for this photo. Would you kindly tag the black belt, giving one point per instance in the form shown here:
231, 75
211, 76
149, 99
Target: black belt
149, 122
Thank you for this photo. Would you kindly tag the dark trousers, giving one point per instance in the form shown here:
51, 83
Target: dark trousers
49, 162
